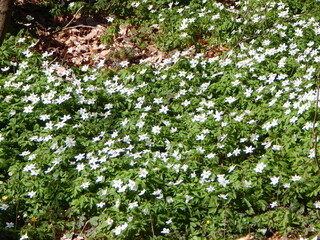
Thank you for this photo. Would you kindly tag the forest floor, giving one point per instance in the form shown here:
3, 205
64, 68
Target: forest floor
76, 40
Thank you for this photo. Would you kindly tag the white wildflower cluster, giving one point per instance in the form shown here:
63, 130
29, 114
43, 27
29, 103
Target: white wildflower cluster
139, 140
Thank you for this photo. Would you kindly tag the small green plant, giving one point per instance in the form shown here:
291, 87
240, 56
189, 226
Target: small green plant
111, 34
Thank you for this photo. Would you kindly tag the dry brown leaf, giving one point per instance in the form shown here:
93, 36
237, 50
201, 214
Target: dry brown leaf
277, 236
152, 48
95, 47
248, 237
60, 70
223, 49
82, 48
80, 44
123, 30
104, 53
93, 34
73, 30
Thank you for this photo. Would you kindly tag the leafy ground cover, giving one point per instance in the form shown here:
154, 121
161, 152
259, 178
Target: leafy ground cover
216, 138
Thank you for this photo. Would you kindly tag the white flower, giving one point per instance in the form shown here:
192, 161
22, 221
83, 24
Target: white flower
223, 196
44, 117
286, 185
276, 147
183, 26
157, 192
185, 103
27, 52
122, 189
70, 142
101, 204
124, 122
124, 63
140, 123
24, 236
80, 167
308, 125
4, 207
117, 183
211, 155
274, 204
317, 204
293, 119
206, 174
99, 178
119, 229
249, 149
25, 153
259, 168
31, 194
143, 173
85, 68
28, 109
200, 149
64, 118
109, 221
169, 221
222, 181
268, 125
274, 180
230, 99
231, 168
21, 40
60, 125
295, 178
110, 19
165, 231
157, 100
133, 205
298, 32
266, 42
142, 192
236, 152
12, 112
164, 109
85, 185
247, 183
169, 200
9, 224
49, 125
200, 137
282, 62
156, 129
210, 189
188, 198
132, 185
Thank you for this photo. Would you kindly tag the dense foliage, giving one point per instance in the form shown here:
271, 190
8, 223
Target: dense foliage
189, 148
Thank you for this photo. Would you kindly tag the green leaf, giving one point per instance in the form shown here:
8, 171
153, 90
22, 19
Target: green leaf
94, 221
